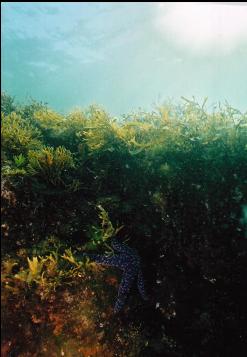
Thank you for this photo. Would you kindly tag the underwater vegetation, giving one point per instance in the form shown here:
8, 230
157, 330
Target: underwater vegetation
171, 184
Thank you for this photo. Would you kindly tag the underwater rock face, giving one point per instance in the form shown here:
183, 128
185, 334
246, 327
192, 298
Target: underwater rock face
127, 260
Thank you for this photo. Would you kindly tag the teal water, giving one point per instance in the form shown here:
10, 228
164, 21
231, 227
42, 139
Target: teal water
124, 56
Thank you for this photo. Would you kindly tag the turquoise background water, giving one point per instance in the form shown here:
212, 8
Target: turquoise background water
118, 55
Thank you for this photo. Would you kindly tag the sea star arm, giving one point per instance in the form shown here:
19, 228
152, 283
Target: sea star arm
140, 285
121, 247
124, 288
103, 259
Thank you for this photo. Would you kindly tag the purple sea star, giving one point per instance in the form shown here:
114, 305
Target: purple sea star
128, 261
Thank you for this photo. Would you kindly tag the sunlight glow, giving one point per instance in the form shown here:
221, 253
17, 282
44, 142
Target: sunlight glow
203, 27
